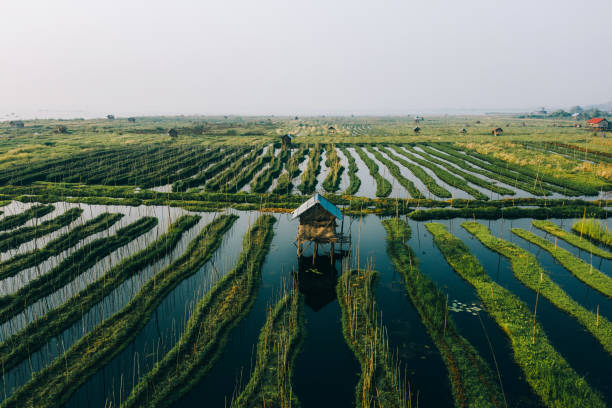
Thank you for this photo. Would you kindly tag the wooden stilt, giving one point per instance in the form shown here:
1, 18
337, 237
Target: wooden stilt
332, 253
300, 249
314, 252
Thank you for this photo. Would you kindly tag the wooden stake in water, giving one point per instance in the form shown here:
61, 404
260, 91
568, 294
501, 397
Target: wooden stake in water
535, 310
597, 319
445, 312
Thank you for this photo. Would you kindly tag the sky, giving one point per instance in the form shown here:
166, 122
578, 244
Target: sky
133, 57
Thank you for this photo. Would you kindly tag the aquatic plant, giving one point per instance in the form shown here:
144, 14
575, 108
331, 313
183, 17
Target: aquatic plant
395, 171
383, 186
573, 239
335, 169
594, 230
15, 220
354, 181
546, 371
309, 176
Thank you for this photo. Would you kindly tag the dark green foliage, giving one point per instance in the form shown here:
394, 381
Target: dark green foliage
11, 240
75, 264
493, 213
309, 177
395, 171
354, 181
335, 169
383, 187
34, 336
53, 386
12, 221
29, 259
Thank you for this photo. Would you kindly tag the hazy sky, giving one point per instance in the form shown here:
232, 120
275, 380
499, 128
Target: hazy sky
302, 57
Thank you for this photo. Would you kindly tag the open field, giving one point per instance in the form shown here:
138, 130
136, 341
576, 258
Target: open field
142, 269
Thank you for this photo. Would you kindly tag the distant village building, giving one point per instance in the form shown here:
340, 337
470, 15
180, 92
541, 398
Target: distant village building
331, 129
110, 117
60, 129
540, 111
598, 123
172, 133
131, 119
497, 131
417, 129
286, 140
478, 122
16, 123
463, 131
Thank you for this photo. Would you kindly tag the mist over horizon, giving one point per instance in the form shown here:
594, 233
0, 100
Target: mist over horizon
71, 59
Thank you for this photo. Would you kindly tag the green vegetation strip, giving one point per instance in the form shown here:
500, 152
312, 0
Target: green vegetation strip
247, 174
22, 344
443, 175
526, 268
54, 385
471, 378
572, 239
550, 376
220, 179
354, 181
594, 230
19, 262
493, 213
493, 172
208, 328
395, 171
335, 169
429, 156
219, 163
71, 267
11, 240
580, 269
380, 383
309, 177
263, 181
279, 341
419, 173
284, 185
12, 221
383, 187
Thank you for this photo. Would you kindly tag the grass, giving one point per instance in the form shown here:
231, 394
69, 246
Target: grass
577, 267
471, 378
335, 169
443, 175
71, 267
263, 181
27, 341
383, 186
54, 385
284, 183
278, 345
572, 239
526, 269
546, 371
354, 181
419, 173
11, 240
395, 171
13, 221
380, 383
309, 177
594, 230
11, 266
493, 213
209, 325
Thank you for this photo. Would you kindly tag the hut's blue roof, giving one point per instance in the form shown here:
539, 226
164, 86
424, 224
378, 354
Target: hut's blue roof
314, 200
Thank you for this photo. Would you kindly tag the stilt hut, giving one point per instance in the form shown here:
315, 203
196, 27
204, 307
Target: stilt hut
286, 140
497, 131
317, 223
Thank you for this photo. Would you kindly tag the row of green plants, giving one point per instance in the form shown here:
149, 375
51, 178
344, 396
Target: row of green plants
573, 149
309, 176
354, 181
395, 171
19, 262
568, 185
429, 155
383, 186
493, 172
594, 230
71, 267
563, 185
11, 240
419, 173
247, 174
380, 382
442, 174
34, 336
16, 220
284, 183
527, 269
54, 385
472, 380
225, 159
576, 266
209, 325
493, 213
264, 180
335, 169
220, 180
571, 238
278, 345
546, 371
